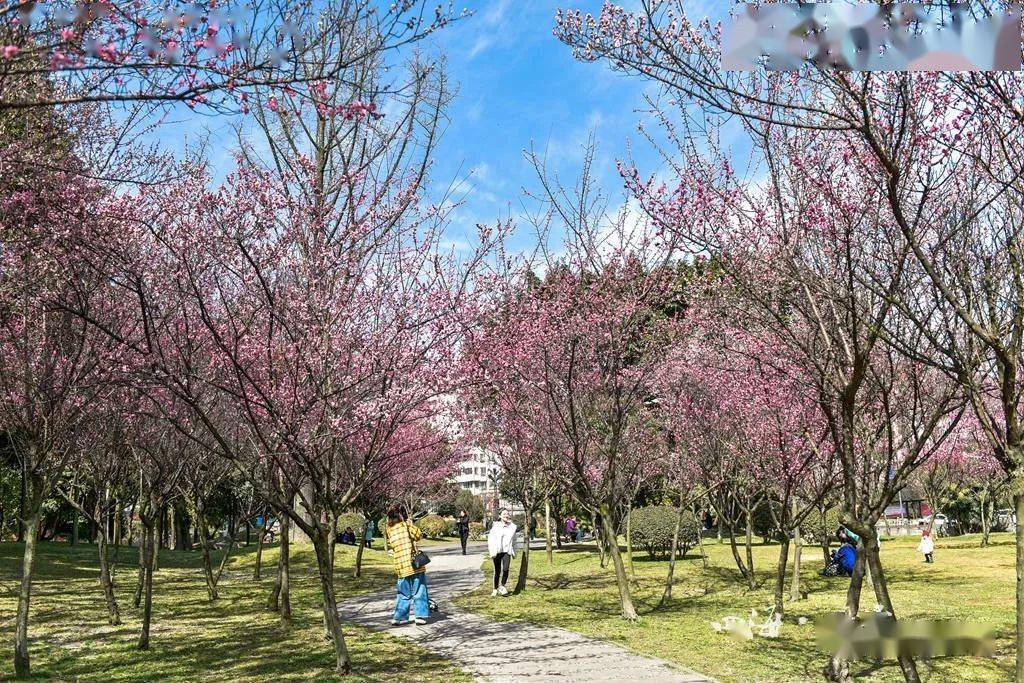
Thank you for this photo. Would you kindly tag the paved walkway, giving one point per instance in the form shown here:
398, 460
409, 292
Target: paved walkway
504, 652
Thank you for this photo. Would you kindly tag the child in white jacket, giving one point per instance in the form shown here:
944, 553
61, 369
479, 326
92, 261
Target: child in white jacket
501, 546
927, 546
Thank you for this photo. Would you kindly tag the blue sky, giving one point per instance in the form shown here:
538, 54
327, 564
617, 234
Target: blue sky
517, 87
520, 87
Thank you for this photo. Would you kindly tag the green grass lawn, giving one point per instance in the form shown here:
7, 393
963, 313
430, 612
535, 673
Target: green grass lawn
233, 639
966, 582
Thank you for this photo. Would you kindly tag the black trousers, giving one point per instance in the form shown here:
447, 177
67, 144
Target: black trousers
463, 538
501, 564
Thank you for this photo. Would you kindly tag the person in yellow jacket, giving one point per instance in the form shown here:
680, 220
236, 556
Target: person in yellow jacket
401, 536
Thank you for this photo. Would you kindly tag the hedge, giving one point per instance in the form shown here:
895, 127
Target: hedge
654, 526
433, 526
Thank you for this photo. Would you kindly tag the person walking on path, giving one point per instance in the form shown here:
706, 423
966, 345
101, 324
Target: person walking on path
570, 528
462, 526
368, 539
501, 545
927, 546
401, 537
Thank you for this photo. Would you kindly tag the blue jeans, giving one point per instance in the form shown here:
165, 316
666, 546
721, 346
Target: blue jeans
412, 589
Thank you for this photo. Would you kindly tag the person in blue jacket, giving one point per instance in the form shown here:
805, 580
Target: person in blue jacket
845, 558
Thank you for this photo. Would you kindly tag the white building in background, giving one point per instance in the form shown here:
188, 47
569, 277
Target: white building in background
479, 474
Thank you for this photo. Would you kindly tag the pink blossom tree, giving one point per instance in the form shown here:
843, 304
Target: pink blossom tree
314, 298
54, 368
211, 54
730, 392
811, 262
578, 351
943, 151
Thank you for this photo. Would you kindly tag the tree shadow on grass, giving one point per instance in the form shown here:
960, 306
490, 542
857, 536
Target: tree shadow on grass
232, 638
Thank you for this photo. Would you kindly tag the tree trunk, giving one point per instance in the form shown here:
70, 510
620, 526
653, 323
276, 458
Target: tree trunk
547, 530
158, 539
149, 542
559, 523
182, 537
1018, 504
625, 599
22, 668
22, 506
667, 594
749, 543
333, 541
985, 518
141, 583
838, 668
629, 546
601, 540
745, 572
798, 548
260, 538
699, 515
284, 574
74, 527
321, 545
118, 529
204, 537
358, 570
106, 577
906, 662
524, 567
780, 575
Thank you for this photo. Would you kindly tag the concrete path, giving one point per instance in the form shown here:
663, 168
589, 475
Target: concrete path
504, 652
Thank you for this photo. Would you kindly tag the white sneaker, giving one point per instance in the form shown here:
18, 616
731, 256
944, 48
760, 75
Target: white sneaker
494, 593
420, 621
502, 590
396, 622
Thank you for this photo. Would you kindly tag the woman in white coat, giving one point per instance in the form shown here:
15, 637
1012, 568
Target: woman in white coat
501, 545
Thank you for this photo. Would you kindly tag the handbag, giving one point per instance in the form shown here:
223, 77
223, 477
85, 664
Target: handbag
419, 558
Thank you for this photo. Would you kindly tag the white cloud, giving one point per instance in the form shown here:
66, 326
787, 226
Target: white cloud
479, 46
493, 23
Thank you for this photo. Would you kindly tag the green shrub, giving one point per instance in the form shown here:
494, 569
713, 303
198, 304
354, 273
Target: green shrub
476, 531
450, 528
352, 519
471, 503
433, 526
654, 526
820, 525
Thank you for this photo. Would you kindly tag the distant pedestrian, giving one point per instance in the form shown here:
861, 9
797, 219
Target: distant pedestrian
501, 545
462, 526
570, 528
927, 546
368, 539
401, 536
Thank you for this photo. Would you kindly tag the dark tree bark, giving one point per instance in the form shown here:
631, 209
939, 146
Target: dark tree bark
280, 595
667, 593
780, 575
358, 570
106, 574
260, 538
149, 542
625, 599
322, 548
22, 668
